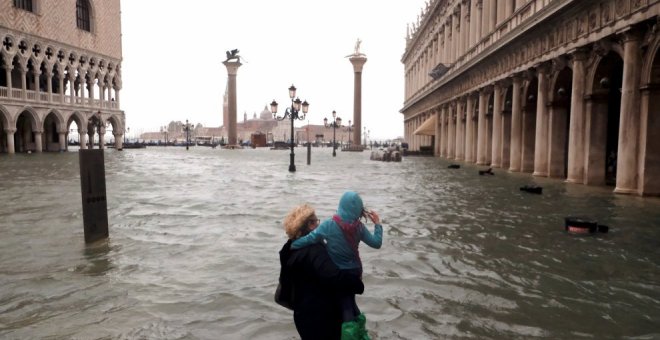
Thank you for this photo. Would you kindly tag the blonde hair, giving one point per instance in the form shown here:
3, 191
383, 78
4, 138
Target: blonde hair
297, 219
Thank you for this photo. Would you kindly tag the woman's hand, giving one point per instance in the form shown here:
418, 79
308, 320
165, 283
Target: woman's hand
373, 216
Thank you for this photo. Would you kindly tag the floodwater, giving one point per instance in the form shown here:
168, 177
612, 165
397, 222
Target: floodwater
195, 235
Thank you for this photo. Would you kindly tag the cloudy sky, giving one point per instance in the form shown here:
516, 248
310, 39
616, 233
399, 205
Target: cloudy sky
173, 54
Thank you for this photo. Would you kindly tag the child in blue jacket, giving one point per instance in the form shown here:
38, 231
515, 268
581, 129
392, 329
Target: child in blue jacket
343, 234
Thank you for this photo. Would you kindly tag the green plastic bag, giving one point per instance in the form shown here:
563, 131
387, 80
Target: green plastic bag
355, 330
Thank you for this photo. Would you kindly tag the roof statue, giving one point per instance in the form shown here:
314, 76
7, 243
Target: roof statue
233, 54
357, 52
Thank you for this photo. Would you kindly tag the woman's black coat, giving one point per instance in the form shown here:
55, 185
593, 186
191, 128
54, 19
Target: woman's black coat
314, 281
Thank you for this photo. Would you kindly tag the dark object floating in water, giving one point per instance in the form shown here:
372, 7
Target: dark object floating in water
486, 172
532, 189
454, 166
581, 225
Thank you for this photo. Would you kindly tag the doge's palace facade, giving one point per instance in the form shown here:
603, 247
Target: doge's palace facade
60, 62
568, 89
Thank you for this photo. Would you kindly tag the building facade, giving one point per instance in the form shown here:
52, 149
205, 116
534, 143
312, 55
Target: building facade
60, 63
567, 89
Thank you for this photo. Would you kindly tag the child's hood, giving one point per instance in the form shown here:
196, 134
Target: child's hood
350, 206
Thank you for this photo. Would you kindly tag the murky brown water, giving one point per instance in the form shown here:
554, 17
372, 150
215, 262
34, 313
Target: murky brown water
194, 238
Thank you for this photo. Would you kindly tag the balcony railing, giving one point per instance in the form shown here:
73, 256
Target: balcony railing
42, 97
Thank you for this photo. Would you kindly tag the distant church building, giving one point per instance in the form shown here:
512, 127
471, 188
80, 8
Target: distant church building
567, 89
59, 64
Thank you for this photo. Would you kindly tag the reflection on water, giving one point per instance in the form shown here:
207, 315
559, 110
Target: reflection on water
194, 238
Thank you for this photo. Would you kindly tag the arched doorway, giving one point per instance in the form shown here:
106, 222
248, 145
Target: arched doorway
559, 118
24, 140
529, 125
74, 133
51, 139
651, 174
604, 109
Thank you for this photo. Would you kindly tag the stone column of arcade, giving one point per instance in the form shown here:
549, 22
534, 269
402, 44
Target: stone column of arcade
82, 135
10, 140
626, 162
232, 70
577, 119
357, 60
38, 141
62, 140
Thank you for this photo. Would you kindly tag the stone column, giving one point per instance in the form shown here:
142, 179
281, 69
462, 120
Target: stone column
516, 126
629, 123
62, 140
443, 131
479, 18
10, 140
49, 83
497, 127
61, 79
24, 84
492, 16
460, 134
72, 90
90, 86
451, 132
576, 127
102, 137
232, 71
469, 136
37, 73
8, 68
358, 61
446, 59
464, 30
117, 89
119, 140
38, 146
541, 138
454, 38
438, 132
481, 127
82, 137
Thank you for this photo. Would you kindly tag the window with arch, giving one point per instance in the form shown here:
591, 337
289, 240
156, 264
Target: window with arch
24, 4
82, 15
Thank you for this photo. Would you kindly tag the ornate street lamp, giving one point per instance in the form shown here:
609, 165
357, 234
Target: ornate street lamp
350, 127
336, 122
292, 113
187, 130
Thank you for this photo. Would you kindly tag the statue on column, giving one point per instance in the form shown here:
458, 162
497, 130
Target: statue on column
233, 54
357, 52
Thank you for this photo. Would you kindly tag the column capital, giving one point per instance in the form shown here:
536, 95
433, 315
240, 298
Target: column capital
579, 54
630, 33
232, 67
543, 68
10, 130
358, 62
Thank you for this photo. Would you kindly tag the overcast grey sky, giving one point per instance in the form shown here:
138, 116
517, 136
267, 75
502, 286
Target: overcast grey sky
173, 53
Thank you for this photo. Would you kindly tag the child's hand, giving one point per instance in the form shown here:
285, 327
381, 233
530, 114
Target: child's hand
373, 216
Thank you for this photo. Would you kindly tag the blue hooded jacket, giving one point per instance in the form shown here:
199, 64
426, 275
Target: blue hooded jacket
349, 210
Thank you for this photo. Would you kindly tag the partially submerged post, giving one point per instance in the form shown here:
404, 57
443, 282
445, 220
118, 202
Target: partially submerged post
92, 189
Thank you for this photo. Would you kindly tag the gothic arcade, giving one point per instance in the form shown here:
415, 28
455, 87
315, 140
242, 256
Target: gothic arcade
566, 89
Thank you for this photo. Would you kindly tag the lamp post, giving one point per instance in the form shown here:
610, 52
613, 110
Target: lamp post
336, 122
187, 130
349, 133
292, 113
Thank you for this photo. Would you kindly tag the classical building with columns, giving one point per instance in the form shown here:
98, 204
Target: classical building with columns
568, 89
60, 62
